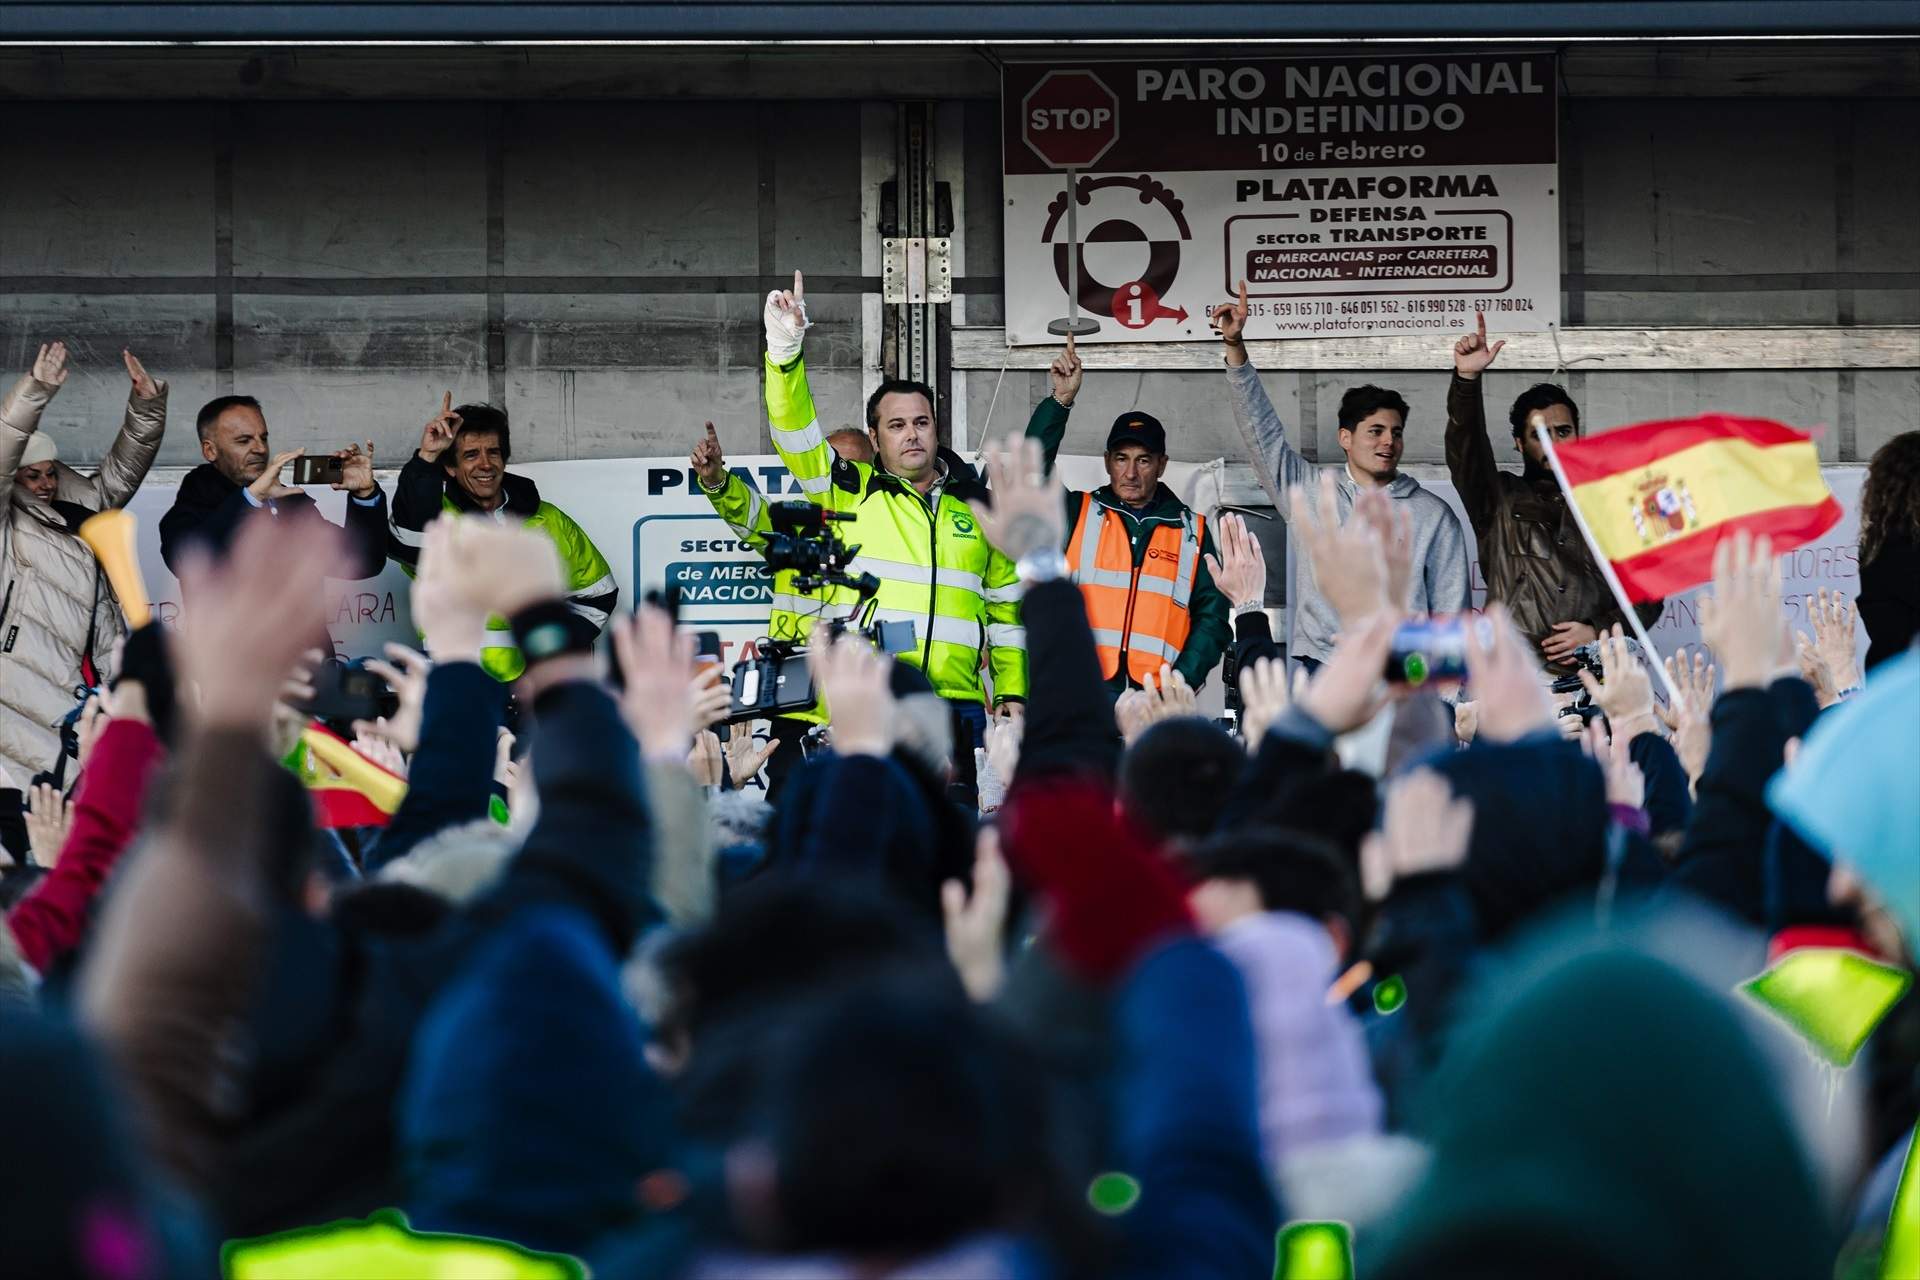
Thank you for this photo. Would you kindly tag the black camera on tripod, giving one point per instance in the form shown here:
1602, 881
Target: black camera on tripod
777, 681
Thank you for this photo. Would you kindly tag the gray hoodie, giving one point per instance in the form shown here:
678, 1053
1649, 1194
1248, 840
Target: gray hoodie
1440, 582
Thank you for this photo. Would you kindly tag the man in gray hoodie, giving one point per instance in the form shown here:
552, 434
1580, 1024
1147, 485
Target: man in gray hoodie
1372, 427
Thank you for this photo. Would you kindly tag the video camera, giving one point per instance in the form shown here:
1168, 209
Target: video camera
1586, 657
777, 682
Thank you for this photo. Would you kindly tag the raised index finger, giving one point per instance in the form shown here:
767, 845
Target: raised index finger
1243, 295
799, 287
446, 405
1070, 355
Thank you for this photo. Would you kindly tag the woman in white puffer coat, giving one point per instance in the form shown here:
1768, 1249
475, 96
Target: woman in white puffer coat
59, 619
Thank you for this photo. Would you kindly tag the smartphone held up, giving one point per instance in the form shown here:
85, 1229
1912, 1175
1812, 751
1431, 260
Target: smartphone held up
1433, 651
323, 469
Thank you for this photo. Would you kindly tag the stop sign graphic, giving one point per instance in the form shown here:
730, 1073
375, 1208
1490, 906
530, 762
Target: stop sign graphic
1070, 119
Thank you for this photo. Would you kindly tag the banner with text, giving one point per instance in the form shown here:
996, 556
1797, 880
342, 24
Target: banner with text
1369, 195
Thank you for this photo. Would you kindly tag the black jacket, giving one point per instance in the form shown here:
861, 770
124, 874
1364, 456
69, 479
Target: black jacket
332, 1152
209, 508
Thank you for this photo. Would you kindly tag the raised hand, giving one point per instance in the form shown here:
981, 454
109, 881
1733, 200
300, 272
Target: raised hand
1133, 711
406, 675
704, 758
1472, 354
853, 677
1241, 568
1507, 687
1393, 526
1229, 320
712, 696
786, 321
1626, 696
49, 819
50, 366
253, 614
1348, 561
439, 431
1066, 374
1694, 680
267, 487
660, 697
506, 770
977, 922
1028, 512
144, 387
453, 627
1741, 619
708, 461
747, 755
1626, 785
1003, 746
1351, 688
1425, 828
1833, 621
1263, 696
371, 742
356, 471
499, 568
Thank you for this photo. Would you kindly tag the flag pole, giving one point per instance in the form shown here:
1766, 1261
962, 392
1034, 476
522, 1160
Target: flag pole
1606, 565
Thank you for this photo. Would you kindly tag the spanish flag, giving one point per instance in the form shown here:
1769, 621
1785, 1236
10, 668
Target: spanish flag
1660, 496
348, 789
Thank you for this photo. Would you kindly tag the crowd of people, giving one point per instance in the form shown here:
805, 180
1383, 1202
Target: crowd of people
1454, 969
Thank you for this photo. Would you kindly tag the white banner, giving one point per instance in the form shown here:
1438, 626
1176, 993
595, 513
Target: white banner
1354, 195
655, 528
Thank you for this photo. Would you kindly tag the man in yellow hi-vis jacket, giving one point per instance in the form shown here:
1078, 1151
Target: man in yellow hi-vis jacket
911, 523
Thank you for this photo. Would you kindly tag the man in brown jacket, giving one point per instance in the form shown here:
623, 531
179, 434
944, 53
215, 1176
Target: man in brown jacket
1531, 551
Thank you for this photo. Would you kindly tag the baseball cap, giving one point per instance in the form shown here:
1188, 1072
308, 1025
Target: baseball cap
1135, 427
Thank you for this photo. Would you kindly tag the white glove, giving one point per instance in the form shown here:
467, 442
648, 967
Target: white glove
786, 321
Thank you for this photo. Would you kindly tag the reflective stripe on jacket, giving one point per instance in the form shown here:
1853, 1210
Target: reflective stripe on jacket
1140, 613
936, 569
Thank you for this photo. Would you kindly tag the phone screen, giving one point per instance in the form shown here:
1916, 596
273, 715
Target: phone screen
1432, 650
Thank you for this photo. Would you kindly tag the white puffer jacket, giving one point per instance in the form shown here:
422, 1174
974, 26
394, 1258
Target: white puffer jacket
52, 591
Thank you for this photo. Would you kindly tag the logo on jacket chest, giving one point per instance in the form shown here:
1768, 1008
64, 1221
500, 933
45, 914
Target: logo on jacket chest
963, 527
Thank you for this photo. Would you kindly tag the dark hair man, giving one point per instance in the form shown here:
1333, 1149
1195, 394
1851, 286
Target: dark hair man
1372, 437
241, 476
461, 467
1531, 551
1137, 553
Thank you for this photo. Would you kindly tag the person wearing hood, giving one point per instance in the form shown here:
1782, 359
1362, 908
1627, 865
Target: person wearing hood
1534, 1172
59, 617
461, 466
1137, 553
1372, 436
241, 475
1535, 560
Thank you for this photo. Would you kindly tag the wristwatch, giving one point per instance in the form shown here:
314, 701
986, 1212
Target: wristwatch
1043, 565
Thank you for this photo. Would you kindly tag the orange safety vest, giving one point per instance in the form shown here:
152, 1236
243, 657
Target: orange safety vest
1138, 614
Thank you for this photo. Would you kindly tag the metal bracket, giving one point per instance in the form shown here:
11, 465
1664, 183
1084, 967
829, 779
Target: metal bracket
916, 269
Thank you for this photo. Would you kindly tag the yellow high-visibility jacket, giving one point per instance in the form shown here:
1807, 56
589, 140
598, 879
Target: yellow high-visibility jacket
936, 570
